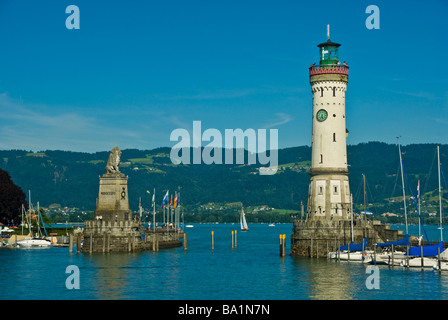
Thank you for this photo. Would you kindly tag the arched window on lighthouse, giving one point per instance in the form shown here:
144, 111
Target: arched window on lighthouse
334, 136
321, 92
334, 91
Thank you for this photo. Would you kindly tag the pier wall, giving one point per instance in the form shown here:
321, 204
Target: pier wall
125, 236
317, 238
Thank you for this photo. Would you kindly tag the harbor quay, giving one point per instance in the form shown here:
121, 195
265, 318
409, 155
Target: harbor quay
316, 238
114, 229
126, 236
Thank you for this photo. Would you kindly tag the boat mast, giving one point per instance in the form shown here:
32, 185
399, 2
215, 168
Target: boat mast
419, 210
365, 207
402, 183
351, 200
440, 195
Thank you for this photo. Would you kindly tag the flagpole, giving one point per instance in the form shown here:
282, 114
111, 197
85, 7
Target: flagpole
154, 209
419, 211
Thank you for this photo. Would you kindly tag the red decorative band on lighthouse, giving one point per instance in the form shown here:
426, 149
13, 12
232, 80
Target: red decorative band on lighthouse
328, 69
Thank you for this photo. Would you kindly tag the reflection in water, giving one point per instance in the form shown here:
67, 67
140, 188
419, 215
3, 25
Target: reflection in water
112, 273
146, 275
327, 280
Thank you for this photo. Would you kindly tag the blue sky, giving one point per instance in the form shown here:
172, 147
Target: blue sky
137, 70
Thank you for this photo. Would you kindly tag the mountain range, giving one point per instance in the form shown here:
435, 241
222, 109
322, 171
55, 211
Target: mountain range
71, 178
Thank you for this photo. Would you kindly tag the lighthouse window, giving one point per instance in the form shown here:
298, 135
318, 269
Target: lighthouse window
334, 91
334, 137
335, 190
322, 92
321, 158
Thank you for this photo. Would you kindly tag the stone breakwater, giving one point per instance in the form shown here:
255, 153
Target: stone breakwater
317, 238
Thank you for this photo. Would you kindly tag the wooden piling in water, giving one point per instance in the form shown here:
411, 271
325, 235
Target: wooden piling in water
235, 240
78, 243
407, 256
185, 241
280, 245
348, 247
393, 257
233, 246
421, 253
213, 241
282, 238
70, 245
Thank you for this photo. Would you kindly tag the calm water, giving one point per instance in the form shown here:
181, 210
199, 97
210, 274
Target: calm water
253, 270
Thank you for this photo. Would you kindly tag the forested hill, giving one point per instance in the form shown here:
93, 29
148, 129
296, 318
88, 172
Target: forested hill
71, 178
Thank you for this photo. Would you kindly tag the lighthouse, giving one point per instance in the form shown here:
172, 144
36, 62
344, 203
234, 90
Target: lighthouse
329, 222
329, 191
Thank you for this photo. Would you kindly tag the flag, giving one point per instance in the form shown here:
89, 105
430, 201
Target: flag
140, 207
165, 198
418, 189
175, 202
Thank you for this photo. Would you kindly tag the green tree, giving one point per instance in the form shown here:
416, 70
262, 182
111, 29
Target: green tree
11, 200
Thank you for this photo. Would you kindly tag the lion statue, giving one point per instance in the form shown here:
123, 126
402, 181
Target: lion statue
113, 161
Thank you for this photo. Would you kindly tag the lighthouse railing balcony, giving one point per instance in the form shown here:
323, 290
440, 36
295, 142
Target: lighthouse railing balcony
328, 68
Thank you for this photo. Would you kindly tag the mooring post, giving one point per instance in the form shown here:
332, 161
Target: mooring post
393, 255
213, 241
311, 248
235, 240
338, 252
78, 243
407, 256
348, 247
280, 244
421, 253
233, 247
374, 254
284, 245
185, 241
70, 245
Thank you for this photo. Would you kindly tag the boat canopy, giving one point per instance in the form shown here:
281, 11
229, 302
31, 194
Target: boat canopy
353, 246
428, 251
402, 242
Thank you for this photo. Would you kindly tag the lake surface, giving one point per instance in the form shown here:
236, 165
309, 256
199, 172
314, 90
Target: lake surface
252, 271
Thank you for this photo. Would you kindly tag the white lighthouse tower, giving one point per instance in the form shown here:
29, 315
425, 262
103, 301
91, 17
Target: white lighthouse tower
329, 191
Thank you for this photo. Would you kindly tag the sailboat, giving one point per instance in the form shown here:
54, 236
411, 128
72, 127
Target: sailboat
37, 241
243, 221
425, 256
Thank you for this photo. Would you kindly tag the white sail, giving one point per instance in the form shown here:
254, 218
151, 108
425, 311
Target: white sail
243, 221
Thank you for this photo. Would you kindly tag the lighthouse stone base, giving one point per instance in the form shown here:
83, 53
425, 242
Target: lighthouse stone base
316, 238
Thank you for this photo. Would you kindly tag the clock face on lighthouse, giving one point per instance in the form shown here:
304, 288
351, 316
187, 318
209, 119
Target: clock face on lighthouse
321, 115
